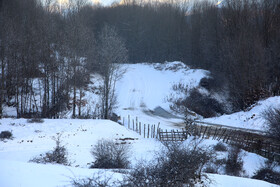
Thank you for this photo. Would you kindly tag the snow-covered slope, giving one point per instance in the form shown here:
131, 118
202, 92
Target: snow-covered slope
146, 86
79, 136
251, 119
141, 89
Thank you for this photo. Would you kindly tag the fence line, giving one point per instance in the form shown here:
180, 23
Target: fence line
143, 129
249, 141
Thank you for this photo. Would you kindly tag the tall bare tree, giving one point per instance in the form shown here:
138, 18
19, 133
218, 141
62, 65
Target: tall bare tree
111, 52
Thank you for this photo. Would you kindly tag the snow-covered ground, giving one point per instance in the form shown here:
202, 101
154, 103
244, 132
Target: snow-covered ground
251, 119
142, 88
146, 86
33, 139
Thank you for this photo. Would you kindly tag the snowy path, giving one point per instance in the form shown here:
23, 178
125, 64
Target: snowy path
144, 87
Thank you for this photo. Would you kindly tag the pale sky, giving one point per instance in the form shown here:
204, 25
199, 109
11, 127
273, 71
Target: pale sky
108, 2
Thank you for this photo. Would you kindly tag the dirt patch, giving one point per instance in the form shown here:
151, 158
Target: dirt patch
158, 111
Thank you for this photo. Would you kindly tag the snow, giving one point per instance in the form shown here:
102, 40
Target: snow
15, 174
231, 181
78, 136
141, 89
148, 85
251, 119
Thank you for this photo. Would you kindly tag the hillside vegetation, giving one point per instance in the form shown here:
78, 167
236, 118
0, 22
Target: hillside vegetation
55, 49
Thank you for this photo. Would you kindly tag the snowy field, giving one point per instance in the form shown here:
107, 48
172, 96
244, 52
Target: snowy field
33, 139
142, 88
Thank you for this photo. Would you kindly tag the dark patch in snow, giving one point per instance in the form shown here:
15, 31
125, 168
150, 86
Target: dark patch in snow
159, 111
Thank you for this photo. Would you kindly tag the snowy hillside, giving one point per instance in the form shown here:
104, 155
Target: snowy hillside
147, 86
141, 90
32, 139
250, 119
144, 87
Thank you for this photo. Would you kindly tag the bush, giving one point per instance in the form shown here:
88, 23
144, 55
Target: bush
108, 154
212, 84
35, 120
268, 174
57, 156
272, 117
98, 180
6, 135
216, 166
177, 166
234, 162
220, 147
203, 105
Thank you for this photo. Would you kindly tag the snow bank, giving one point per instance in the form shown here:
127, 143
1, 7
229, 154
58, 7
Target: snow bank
251, 119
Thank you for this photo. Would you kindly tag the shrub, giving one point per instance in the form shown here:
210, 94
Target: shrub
202, 104
58, 155
272, 117
6, 135
35, 120
98, 180
268, 174
178, 166
220, 147
213, 83
234, 162
108, 154
216, 166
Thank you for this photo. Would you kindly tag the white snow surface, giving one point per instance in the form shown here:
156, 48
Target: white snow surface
142, 88
250, 119
146, 86
79, 136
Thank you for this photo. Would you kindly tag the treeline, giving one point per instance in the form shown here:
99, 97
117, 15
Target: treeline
237, 40
57, 47
42, 56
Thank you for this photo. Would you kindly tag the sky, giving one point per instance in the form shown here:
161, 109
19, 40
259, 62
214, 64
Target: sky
109, 2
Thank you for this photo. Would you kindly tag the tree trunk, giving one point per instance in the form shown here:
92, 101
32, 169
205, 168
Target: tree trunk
2, 88
74, 97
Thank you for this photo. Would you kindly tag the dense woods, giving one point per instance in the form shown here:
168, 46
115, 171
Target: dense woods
54, 48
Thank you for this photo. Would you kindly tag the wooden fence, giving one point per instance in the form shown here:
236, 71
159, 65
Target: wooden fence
145, 130
249, 141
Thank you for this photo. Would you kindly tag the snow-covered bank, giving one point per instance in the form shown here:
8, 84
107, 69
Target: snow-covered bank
251, 119
231, 181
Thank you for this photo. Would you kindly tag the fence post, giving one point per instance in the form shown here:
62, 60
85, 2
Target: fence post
158, 128
133, 123
144, 130
123, 122
148, 130
140, 128
128, 123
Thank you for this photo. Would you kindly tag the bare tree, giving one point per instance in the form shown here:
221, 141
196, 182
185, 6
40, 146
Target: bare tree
111, 52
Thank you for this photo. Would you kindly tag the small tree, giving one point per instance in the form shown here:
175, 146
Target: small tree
57, 156
272, 117
111, 52
234, 162
177, 166
108, 154
268, 173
